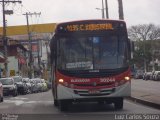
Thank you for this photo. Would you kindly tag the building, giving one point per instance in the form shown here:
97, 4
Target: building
40, 35
17, 59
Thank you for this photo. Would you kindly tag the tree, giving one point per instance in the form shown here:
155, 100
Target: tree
144, 36
144, 32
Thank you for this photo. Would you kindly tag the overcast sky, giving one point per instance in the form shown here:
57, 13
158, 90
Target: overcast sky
54, 11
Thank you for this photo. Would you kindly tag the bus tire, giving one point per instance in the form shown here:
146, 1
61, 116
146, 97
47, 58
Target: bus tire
1, 98
63, 105
118, 104
55, 103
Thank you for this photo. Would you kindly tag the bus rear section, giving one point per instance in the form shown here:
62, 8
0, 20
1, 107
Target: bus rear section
90, 62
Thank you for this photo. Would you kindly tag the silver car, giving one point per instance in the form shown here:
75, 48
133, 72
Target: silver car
9, 86
28, 84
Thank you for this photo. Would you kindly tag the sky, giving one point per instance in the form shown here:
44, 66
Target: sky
55, 11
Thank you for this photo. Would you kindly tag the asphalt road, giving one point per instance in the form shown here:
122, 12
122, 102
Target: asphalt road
40, 106
147, 86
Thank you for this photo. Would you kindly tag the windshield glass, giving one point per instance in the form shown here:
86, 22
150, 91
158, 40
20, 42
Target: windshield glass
99, 52
6, 81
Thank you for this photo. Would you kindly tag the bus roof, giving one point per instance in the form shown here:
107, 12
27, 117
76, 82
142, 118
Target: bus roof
91, 25
87, 20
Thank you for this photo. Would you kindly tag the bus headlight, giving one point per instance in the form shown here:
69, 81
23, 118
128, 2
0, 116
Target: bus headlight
127, 78
60, 80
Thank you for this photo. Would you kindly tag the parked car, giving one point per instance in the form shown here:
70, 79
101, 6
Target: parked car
9, 86
152, 75
48, 84
1, 92
139, 74
21, 86
157, 75
34, 86
39, 84
147, 75
45, 88
29, 86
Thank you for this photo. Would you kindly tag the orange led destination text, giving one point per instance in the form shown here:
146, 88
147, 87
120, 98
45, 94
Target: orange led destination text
89, 27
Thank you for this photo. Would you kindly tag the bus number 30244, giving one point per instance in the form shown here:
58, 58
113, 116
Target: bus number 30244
107, 80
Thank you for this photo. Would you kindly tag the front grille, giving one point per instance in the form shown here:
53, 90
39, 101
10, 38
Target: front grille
5, 89
101, 93
91, 85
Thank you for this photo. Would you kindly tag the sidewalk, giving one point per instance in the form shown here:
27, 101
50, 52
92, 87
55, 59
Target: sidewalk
146, 92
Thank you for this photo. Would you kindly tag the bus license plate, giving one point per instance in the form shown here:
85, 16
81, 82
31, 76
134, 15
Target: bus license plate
94, 91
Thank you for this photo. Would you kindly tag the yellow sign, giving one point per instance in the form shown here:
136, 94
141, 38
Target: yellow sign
12, 72
22, 29
89, 27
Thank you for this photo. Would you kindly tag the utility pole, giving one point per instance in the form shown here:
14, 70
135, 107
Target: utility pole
39, 59
4, 33
103, 10
30, 41
120, 10
107, 14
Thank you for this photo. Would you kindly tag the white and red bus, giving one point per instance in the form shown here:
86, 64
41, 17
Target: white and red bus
90, 62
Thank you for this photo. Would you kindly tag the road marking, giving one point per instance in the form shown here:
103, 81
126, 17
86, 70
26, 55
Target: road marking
37, 102
20, 102
16, 102
19, 98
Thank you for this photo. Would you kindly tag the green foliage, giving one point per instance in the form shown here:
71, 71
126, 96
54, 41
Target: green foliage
140, 55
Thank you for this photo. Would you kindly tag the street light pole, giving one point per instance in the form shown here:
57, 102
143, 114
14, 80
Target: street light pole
103, 10
107, 14
120, 10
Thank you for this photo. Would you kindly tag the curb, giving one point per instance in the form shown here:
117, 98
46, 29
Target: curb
144, 102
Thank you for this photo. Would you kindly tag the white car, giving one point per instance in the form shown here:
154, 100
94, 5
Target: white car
9, 86
157, 75
28, 83
39, 84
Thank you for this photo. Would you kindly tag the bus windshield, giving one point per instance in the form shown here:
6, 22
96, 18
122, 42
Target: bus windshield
92, 52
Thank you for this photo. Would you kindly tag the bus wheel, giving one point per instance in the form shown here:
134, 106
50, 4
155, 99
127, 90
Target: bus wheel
118, 104
1, 98
55, 103
63, 105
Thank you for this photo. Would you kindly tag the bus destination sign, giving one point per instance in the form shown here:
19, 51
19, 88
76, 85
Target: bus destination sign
89, 27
